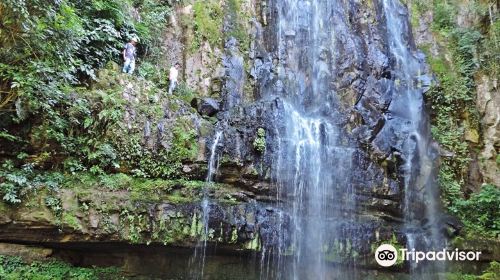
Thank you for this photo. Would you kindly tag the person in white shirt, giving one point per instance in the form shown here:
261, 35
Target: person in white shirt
174, 73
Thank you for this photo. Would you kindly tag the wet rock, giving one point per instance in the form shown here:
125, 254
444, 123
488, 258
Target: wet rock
450, 225
121, 216
234, 74
28, 253
206, 106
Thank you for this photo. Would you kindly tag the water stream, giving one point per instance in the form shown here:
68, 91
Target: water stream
314, 160
197, 262
420, 181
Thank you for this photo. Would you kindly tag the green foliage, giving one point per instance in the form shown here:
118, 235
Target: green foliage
13, 268
152, 72
259, 143
464, 53
208, 16
460, 276
7, 136
165, 162
79, 131
48, 48
154, 18
238, 24
490, 50
184, 145
46, 45
444, 15
450, 187
54, 204
492, 272
185, 93
135, 225
16, 183
481, 212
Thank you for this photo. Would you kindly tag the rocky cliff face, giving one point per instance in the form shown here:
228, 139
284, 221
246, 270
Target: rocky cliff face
241, 85
482, 137
488, 102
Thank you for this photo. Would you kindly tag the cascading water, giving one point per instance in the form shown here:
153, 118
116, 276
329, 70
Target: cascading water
199, 257
325, 220
420, 186
313, 165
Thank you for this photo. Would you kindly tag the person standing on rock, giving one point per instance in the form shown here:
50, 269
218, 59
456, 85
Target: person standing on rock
129, 54
174, 73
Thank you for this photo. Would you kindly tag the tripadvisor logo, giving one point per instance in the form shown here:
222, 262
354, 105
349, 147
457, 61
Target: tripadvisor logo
386, 255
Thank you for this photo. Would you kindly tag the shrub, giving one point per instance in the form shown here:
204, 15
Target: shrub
259, 143
481, 212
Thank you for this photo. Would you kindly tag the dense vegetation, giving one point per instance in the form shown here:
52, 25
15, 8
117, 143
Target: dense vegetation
61, 99
59, 105
13, 268
51, 51
464, 52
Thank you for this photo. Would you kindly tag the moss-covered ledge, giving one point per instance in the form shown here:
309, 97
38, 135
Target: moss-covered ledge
121, 208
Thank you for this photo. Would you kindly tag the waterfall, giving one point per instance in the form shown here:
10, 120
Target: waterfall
315, 44
314, 158
197, 262
325, 220
420, 181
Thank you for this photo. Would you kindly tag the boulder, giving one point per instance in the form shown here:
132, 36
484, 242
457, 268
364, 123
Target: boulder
206, 106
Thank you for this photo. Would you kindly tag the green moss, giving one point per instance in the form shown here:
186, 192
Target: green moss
238, 25
196, 226
208, 17
259, 143
179, 199
340, 251
253, 244
4, 208
15, 268
141, 189
71, 221
234, 236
